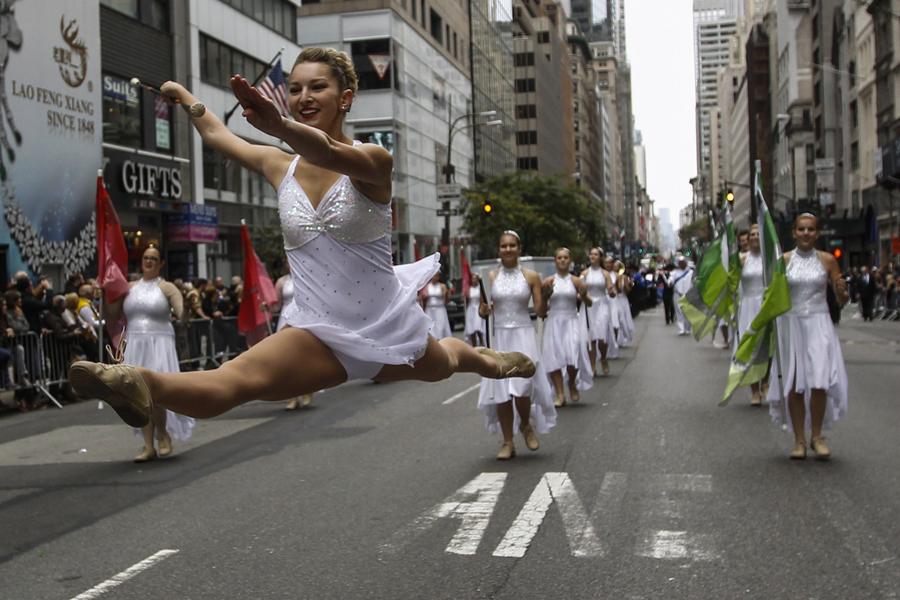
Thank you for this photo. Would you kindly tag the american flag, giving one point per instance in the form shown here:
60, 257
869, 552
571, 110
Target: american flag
273, 87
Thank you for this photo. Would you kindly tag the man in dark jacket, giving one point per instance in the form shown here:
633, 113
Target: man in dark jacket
33, 304
867, 289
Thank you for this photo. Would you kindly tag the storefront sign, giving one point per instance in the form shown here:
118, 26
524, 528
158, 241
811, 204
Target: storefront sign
197, 223
50, 143
151, 180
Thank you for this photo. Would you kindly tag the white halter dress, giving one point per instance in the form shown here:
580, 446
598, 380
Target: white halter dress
564, 344
150, 342
437, 311
601, 311
287, 303
474, 322
513, 331
626, 322
809, 348
346, 290
750, 291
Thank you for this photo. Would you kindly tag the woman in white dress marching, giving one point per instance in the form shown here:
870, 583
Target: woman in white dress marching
750, 292
149, 306
565, 349
284, 289
624, 284
599, 288
612, 342
511, 289
357, 315
434, 301
474, 323
811, 362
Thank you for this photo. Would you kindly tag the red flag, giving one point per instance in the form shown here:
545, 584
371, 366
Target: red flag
466, 275
253, 321
112, 256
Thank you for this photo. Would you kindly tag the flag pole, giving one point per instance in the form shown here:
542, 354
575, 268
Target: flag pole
259, 77
757, 167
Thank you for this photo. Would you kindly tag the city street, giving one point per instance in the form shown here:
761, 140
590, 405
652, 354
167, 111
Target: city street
645, 489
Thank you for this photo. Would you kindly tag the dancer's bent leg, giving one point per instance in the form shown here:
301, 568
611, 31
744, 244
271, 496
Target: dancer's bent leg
289, 363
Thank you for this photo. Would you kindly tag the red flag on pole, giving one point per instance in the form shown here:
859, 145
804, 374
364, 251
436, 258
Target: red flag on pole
466, 275
112, 256
253, 319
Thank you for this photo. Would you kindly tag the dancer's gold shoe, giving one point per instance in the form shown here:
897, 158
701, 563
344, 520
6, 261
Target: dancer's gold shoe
756, 400
509, 364
120, 386
292, 404
560, 401
531, 439
164, 444
821, 449
574, 394
507, 451
306, 400
799, 451
605, 365
147, 454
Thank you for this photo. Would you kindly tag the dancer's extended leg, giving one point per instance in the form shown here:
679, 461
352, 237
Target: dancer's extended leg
441, 360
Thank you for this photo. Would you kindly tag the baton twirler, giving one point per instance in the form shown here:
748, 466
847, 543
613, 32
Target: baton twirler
196, 110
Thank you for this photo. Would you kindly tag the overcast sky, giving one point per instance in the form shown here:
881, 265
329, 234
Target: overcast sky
659, 43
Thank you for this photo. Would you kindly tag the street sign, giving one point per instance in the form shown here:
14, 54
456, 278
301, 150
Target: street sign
824, 173
447, 212
835, 242
449, 191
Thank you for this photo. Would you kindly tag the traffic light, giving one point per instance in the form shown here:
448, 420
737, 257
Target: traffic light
487, 208
838, 253
729, 195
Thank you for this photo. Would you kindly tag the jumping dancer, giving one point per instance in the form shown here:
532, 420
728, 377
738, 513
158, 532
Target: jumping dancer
511, 289
357, 314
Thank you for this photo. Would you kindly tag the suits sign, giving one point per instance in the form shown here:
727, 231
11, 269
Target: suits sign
50, 131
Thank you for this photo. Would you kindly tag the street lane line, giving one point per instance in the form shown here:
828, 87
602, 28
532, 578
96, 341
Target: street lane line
673, 545
475, 514
583, 541
456, 397
116, 580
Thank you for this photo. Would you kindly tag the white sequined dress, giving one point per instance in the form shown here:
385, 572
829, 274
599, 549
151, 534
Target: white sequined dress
810, 351
474, 322
347, 291
150, 341
600, 312
564, 344
750, 291
514, 331
287, 303
436, 310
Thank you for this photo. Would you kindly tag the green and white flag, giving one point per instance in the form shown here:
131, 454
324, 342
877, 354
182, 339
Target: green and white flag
718, 274
756, 347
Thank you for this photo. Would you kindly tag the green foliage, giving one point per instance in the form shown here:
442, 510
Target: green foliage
544, 211
698, 229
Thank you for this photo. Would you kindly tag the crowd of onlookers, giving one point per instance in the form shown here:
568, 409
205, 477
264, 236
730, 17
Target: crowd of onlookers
874, 290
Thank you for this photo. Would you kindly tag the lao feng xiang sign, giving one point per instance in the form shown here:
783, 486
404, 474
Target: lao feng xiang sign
50, 131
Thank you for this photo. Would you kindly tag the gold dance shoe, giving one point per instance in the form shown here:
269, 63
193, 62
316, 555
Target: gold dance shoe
799, 451
559, 401
510, 364
120, 386
146, 455
574, 394
507, 451
531, 439
605, 365
164, 444
306, 400
292, 404
819, 446
756, 400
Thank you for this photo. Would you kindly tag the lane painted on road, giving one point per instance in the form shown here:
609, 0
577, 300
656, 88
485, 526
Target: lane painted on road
117, 580
456, 397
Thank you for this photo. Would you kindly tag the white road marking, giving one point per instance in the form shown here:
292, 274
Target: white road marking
475, 513
456, 397
116, 580
583, 541
687, 482
671, 545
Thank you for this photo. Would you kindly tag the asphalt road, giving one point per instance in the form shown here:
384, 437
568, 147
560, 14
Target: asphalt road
646, 489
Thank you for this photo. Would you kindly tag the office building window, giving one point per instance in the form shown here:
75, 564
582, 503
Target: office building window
524, 85
526, 111
524, 138
527, 163
218, 62
437, 29
523, 59
854, 155
154, 13
543, 37
121, 112
373, 62
277, 15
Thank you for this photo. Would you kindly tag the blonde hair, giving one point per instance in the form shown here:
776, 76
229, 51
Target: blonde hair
340, 64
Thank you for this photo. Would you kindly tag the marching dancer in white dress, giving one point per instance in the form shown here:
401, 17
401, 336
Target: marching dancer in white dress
150, 343
284, 288
511, 289
357, 316
474, 323
624, 283
599, 289
811, 362
565, 347
613, 341
435, 304
750, 294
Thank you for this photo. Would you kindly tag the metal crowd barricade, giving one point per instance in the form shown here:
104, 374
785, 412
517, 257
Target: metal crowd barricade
207, 343
39, 362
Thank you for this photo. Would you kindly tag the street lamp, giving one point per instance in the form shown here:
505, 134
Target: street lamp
454, 127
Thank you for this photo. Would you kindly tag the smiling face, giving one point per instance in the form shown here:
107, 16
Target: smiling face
510, 249
754, 238
315, 97
595, 257
806, 232
151, 263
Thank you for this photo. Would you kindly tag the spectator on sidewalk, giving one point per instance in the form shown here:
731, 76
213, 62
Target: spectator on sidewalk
867, 289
